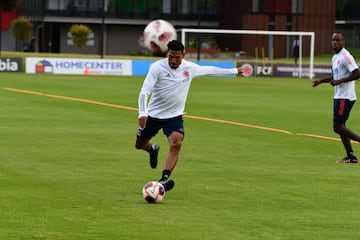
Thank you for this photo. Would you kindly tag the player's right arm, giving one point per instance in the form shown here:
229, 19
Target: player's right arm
145, 91
320, 81
142, 122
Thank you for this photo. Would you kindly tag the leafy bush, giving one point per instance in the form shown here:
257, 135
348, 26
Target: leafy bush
80, 34
21, 28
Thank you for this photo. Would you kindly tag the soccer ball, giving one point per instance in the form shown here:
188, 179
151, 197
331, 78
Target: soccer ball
158, 34
153, 192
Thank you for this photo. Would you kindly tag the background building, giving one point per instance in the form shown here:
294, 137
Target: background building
118, 24
348, 22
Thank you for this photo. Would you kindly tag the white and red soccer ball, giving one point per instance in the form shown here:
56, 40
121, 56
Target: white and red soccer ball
153, 192
158, 34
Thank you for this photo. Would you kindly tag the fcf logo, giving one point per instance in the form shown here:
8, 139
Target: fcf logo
264, 70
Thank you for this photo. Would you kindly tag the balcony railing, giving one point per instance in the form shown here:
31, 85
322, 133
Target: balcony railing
123, 9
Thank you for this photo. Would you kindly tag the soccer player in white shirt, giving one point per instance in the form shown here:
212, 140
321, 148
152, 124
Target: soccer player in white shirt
168, 82
344, 72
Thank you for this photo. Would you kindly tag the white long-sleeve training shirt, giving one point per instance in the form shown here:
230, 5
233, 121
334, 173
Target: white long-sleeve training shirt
169, 87
343, 64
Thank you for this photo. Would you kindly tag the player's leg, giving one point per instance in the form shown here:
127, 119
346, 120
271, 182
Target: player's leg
175, 141
350, 155
346, 142
342, 108
143, 143
174, 130
143, 138
346, 133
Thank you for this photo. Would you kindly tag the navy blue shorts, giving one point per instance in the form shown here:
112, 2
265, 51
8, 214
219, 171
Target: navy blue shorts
342, 108
153, 125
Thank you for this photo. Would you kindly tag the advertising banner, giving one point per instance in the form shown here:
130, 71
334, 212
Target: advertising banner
78, 66
10, 64
289, 70
285, 70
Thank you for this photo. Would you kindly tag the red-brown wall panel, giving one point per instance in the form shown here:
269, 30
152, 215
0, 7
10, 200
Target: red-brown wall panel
318, 16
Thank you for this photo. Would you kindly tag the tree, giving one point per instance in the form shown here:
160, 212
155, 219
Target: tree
80, 34
21, 30
7, 6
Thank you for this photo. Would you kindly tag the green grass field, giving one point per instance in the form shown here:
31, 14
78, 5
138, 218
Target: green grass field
69, 169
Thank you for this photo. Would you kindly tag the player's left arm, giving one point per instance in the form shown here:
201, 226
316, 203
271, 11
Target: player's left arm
355, 74
215, 71
240, 71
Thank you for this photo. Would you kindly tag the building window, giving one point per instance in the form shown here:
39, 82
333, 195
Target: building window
297, 7
277, 6
166, 6
206, 7
92, 5
57, 5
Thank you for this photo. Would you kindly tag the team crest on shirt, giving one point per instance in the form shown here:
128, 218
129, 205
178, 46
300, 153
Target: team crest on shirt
186, 75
